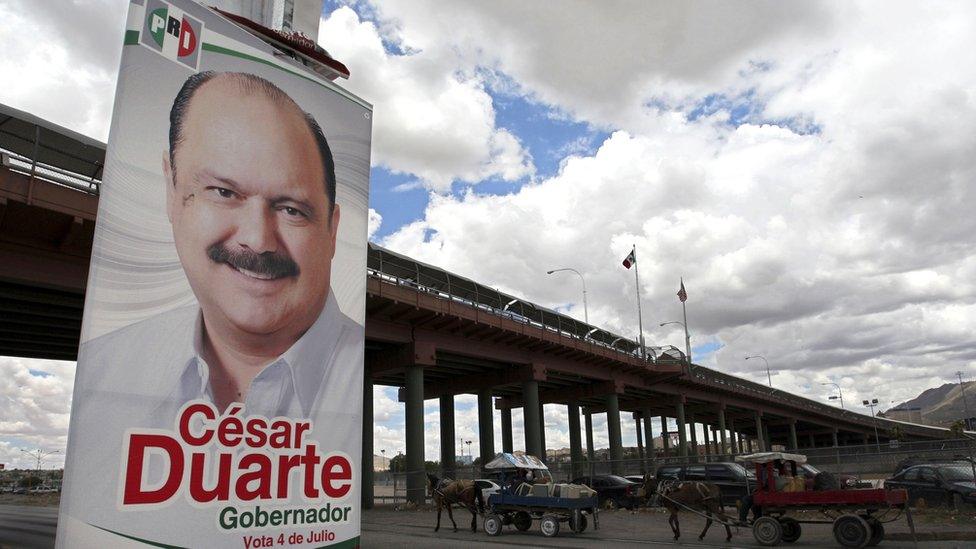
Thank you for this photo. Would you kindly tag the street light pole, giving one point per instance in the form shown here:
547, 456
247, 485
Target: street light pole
965, 403
586, 314
38, 455
687, 337
769, 377
839, 392
872, 403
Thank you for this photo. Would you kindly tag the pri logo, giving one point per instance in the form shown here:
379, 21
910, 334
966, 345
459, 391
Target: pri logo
172, 33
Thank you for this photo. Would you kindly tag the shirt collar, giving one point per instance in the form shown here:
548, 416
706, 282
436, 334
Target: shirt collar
306, 359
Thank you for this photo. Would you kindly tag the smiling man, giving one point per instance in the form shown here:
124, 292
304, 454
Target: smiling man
250, 193
255, 223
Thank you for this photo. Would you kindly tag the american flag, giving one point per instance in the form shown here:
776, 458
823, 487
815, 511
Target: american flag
682, 294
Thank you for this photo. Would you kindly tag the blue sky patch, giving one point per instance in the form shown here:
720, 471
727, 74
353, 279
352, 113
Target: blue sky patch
38, 373
398, 207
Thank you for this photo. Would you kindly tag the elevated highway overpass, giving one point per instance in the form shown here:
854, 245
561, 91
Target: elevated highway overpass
430, 332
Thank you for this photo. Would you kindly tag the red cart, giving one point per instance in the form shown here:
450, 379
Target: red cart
857, 516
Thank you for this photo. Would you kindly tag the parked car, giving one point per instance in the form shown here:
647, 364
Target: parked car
612, 489
488, 487
639, 479
733, 480
944, 484
843, 480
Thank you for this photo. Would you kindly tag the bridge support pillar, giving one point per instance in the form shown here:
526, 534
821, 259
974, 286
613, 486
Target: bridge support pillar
813, 441
486, 426
833, 438
507, 442
414, 427
367, 492
530, 418
542, 433
640, 441
447, 436
760, 433
682, 430
590, 451
723, 432
707, 434
575, 444
648, 440
694, 438
665, 438
793, 442
613, 430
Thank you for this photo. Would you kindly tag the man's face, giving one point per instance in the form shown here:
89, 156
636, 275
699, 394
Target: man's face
249, 212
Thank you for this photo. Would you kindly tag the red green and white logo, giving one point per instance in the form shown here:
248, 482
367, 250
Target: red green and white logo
172, 33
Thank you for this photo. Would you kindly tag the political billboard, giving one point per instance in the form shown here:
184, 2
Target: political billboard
218, 394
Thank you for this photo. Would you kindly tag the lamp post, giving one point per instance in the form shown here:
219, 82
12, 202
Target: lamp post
468, 442
871, 404
687, 337
586, 314
769, 377
839, 392
39, 456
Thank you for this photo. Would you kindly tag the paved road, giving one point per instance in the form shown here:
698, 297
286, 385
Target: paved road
34, 527
29, 527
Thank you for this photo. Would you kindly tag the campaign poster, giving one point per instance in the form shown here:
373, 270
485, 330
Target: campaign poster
218, 396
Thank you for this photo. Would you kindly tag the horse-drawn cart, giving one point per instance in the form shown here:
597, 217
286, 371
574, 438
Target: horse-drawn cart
857, 516
522, 501
520, 510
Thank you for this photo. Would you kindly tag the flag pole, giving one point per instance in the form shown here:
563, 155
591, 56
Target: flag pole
640, 315
684, 313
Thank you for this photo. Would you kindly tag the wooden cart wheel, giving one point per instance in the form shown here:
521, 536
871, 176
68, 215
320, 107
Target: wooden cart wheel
522, 521
791, 529
877, 531
577, 522
767, 531
550, 526
852, 531
493, 525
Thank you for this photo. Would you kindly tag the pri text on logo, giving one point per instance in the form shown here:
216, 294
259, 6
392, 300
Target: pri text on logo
172, 33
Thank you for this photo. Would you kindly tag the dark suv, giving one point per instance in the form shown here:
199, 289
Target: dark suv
949, 484
732, 479
618, 491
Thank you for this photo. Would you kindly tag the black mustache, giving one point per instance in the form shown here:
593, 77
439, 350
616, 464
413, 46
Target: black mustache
271, 264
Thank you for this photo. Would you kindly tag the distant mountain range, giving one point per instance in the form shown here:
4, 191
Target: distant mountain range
939, 406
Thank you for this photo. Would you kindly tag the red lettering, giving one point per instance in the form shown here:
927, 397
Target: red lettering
280, 437
262, 475
221, 490
330, 474
285, 465
139, 444
257, 437
208, 412
230, 429
310, 460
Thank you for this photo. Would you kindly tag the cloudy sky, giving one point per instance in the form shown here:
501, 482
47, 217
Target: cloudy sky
808, 168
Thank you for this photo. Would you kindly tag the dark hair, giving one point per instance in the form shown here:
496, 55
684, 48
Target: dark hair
249, 84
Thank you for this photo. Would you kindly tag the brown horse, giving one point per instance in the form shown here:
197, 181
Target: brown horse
464, 493
688, 496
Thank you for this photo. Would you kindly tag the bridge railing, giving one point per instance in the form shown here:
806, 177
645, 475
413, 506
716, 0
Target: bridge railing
400, 270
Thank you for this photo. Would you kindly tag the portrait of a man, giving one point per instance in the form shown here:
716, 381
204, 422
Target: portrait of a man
250, 194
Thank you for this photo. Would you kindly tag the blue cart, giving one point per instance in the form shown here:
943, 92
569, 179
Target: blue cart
507, 508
